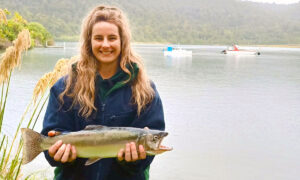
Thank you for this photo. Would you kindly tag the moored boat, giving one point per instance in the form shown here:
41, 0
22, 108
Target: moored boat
177, 52
235, 50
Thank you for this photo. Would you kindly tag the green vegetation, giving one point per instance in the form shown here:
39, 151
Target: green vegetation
175, 21
9, 31
38, 33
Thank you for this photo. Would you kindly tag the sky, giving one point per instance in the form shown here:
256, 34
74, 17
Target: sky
277, 1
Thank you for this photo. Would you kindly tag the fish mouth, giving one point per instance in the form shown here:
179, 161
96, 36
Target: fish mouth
162, 148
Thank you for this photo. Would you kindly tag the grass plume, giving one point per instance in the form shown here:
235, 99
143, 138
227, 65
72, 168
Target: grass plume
10, 164
10, 149
12, 56
3, 17
48, 80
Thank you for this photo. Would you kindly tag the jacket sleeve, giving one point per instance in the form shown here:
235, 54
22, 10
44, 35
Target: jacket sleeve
57, 117
153, 118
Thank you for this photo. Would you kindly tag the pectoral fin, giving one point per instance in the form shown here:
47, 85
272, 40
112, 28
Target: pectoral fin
92, 161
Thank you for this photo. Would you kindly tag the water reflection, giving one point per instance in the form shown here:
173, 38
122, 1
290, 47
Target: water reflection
226, 115
236, 60
179, 62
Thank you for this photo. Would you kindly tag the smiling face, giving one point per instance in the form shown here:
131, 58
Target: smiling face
106, 42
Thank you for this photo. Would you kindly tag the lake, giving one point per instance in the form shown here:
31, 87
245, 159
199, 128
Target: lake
228, 117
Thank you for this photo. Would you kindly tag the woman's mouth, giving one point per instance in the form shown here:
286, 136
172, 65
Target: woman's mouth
106, 52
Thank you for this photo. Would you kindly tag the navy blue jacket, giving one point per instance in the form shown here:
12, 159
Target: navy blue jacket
115, 110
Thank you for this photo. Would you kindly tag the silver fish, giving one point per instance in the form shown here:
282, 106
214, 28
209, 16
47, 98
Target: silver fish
95, 142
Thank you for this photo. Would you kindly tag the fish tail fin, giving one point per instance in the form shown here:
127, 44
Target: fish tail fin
31, 144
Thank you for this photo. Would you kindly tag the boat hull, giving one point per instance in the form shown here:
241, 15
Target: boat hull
178, 53
241, 52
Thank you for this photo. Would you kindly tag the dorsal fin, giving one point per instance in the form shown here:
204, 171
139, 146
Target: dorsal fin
94, 127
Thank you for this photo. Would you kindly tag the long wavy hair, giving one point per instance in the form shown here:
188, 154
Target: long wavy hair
80, 82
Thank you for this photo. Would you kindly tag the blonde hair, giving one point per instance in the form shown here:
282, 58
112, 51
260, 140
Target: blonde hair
80, 82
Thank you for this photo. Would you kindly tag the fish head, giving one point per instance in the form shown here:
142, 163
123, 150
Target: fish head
153, 140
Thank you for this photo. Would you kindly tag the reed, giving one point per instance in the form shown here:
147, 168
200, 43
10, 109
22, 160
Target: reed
3, 18
11, 148
9, 169
39, 99
10, 166
48, 80
9, 60
41, 94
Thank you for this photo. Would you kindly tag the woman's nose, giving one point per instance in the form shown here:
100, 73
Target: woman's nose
105, 43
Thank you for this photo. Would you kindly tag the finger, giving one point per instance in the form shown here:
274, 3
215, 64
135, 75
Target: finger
73, 154
134, 154
59, 153
53, 149
127, 153
146, 128
142, 152
66, 154
121, 155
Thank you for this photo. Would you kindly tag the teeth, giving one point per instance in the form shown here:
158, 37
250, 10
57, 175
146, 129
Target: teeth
105, 53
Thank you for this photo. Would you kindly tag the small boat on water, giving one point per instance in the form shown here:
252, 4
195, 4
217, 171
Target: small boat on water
235, 50
176, 52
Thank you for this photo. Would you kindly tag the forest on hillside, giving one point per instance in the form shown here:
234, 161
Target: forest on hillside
10, 28
174, 21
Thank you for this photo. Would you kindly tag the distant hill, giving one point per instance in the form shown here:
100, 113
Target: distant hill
174, 21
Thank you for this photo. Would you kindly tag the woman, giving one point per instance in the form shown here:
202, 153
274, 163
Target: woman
107, 86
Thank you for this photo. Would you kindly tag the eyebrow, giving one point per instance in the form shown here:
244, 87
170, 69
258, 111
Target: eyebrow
111, 35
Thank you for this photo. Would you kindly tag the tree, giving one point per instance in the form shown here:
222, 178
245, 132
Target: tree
38, 33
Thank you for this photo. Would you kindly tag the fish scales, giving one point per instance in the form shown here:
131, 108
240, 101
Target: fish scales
92, 138
95, 141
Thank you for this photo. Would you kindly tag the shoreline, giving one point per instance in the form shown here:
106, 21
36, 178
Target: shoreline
251, 45
6, 45
280, 45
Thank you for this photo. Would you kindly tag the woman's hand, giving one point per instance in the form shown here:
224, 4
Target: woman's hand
131, 153
61, 152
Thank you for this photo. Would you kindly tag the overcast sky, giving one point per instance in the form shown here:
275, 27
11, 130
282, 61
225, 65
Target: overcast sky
277, 1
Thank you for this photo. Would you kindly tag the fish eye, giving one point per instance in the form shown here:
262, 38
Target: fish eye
155, 138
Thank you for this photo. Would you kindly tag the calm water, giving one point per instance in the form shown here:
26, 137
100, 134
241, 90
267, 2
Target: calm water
229, 118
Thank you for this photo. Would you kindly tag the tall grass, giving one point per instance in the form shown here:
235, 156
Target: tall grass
11, 148
10, 165
41, 95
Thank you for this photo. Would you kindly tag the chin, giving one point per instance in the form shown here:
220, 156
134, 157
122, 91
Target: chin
106, 60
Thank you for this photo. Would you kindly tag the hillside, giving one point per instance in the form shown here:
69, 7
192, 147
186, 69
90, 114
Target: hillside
175, 21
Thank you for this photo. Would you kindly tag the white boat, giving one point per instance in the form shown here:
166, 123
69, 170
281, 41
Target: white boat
235, 50
177, 52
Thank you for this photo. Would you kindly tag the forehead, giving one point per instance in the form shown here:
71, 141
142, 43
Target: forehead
105, 28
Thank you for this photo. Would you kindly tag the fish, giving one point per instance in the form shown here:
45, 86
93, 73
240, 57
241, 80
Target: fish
95, 142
